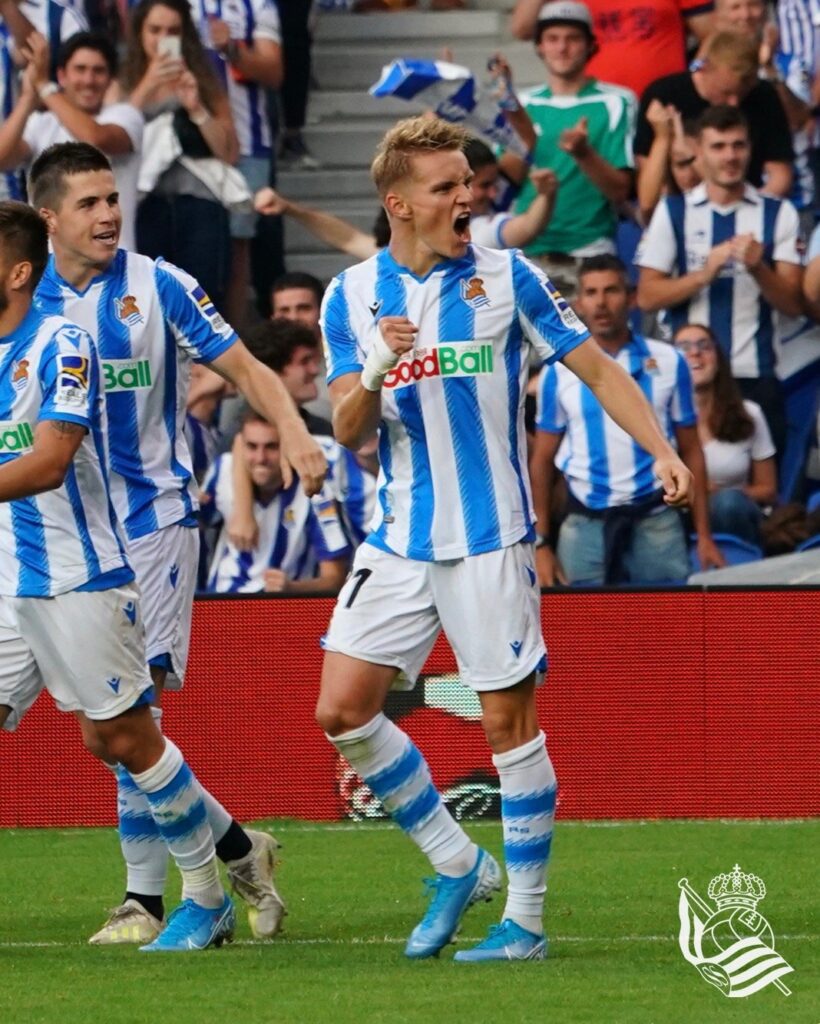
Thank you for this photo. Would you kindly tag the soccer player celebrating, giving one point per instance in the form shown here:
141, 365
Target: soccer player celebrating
149, 321
69, 610
428, 342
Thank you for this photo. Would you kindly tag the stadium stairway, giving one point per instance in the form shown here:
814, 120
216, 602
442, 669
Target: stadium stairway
345, 123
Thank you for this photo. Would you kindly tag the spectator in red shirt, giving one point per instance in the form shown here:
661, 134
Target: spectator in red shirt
637, 42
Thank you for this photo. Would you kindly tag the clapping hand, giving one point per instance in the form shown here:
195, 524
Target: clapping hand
575, 140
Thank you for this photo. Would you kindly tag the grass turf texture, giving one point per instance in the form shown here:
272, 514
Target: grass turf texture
354, 894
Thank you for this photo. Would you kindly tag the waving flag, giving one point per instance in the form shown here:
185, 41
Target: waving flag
453, 93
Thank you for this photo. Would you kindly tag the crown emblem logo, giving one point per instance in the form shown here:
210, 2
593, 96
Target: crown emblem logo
736, 889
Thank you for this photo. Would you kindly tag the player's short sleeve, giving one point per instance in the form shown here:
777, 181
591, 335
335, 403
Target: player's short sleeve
267, 22
342, 352
658, 247
72, 21
682, 404
787, 235
69, 377
762, 444
127, 117
547, 319
324, 528
197, 326
549, 415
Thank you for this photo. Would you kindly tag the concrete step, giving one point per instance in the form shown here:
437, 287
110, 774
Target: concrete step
346, 143
321, 265
403, 25
355, 103
309, 186
357, 67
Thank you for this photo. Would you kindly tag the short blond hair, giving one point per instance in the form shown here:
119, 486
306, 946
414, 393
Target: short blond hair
422, 134
733, 51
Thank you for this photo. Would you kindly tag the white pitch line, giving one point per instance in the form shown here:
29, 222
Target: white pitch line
386, 940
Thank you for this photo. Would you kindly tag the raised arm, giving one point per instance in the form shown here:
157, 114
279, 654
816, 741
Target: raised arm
326, 227
521, 230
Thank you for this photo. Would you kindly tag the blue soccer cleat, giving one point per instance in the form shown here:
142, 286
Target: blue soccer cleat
506, 941
453, 897
191, 926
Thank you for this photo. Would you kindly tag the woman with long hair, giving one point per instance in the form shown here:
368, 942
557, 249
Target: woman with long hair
167, 72
737, 444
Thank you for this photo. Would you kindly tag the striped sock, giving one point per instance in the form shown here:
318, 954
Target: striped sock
393, 768
143, 849
528, 789
175, 799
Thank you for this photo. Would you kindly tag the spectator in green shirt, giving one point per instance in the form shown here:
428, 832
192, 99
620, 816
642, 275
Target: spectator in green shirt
584, 134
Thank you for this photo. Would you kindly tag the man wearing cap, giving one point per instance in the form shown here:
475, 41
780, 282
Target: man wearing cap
584, 134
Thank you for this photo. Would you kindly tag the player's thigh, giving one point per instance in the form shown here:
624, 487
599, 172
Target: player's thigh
20, 680
658, 551
581, 550
385, 613
165, 564
89, 648
490, 609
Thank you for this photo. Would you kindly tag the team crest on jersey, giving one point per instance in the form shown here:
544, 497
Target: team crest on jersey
472, 291
288, 517
19, 375
651, 367
207, 308
128, 311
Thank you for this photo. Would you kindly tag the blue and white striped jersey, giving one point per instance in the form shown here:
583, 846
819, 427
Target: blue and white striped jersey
602, 464
353, 488
678, 240
248, 20
64, 539
452, 446
150, 320
295, 533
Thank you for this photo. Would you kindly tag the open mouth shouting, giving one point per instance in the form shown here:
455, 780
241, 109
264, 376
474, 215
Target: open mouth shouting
461, 227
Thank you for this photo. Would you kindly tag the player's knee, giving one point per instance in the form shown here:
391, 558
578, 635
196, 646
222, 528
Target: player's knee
92, 740
335, 718
506, 731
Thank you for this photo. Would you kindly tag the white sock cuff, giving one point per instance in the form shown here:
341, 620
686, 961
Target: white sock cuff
364, 732
516, 756
160, 774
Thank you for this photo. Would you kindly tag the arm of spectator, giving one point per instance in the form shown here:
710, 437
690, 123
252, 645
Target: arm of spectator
780, 285
778, 178
762, 485
17, 23
521, 230
659, 290
524, 17
542, 474
627, 405
243, 530
216, 126
797, 109
268, 395
691, 454
653, 170
331, 576
161, 72
701, 24
811, 287
515, 114
329, 229
14, 150
259, 62
614, 182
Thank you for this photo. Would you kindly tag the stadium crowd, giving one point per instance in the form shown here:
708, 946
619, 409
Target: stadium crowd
671, 194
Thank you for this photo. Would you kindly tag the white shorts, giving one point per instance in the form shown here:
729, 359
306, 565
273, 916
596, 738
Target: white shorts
390, 611
165, 564
86, 648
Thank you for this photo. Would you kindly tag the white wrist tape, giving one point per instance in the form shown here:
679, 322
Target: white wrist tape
380, 360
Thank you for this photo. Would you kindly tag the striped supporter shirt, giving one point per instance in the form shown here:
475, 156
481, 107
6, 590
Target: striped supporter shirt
602, 464
452, 445
682, 232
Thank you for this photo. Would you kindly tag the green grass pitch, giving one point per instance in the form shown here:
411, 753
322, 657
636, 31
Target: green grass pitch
355, 892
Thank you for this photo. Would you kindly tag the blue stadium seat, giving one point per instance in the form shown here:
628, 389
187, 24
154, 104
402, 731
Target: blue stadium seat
735, 550
807, 545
